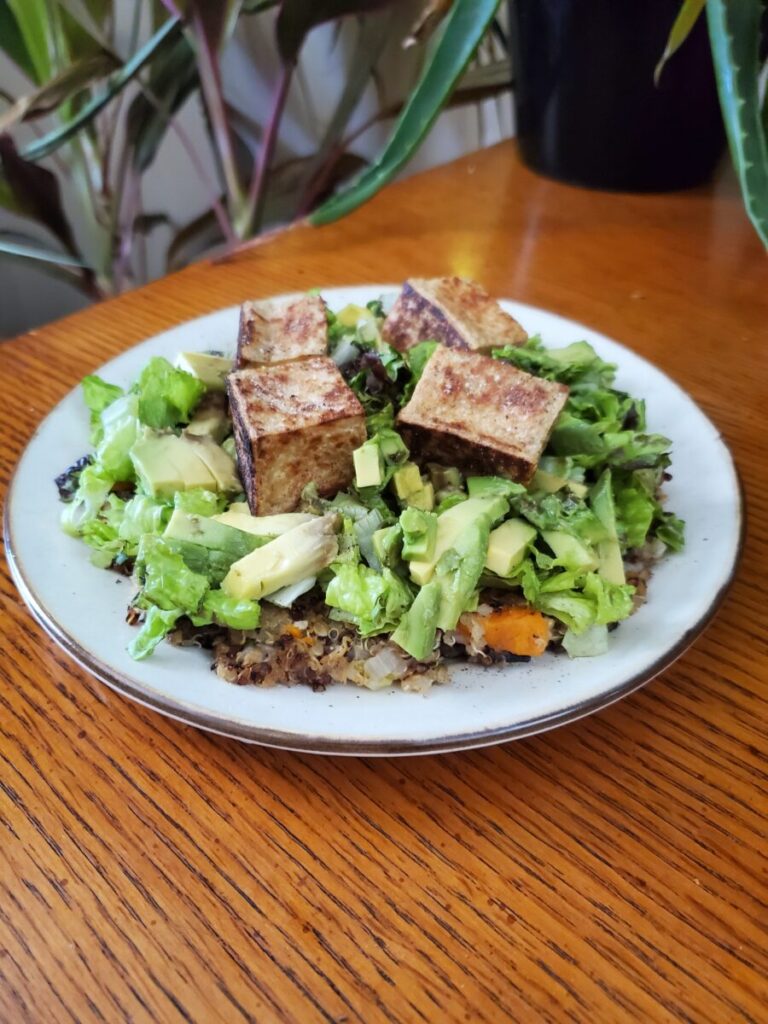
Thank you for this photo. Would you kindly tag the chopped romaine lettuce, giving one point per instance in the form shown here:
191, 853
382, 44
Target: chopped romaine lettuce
198, 501
236, 613
119, 429
98, 394
166, 395
157, 625
166, 579
373, 601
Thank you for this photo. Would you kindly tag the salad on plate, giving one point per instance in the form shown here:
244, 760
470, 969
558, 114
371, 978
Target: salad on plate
366, 495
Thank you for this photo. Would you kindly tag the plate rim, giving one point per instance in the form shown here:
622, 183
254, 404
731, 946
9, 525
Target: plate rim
306, 743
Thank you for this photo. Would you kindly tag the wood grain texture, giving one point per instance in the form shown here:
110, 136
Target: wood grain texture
611, 870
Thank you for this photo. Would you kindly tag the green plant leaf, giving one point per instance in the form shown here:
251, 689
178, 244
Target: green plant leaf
89, 20
115, 84
60, 88
199, 234
686, 18
37, 194
372, 37
734, 32
257, 6
16, 244
172, 79
461, 33
33, 20
12, 42
297, 18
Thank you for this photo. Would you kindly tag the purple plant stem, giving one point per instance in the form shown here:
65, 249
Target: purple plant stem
256, 193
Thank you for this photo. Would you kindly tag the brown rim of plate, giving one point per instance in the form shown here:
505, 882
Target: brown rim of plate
383, 748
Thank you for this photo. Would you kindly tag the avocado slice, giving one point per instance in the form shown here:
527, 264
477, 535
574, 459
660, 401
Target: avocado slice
387, 545
507, 545
263, 526
407, 480
221, 465
352, 314
419, 529
550, 484
489, 486
570, 551
416, 630
422, 499
210, 369
369, 465
165, 463
210, 534
296, 555
450, 525
611, 563
211, 418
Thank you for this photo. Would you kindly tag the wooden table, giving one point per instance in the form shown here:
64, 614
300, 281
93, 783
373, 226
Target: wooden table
612, 870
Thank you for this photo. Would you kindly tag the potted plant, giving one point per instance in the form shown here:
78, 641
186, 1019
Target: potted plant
603, 102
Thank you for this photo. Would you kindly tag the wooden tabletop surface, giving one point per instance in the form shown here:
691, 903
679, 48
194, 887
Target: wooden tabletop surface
612, 870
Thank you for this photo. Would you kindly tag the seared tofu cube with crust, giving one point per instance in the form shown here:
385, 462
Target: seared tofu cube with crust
295, 423
455, 312
277, 330
480, 414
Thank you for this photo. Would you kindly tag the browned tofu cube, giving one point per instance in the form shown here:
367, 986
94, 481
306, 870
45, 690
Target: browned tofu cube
295, 423
480, 414
277, 330
455, 312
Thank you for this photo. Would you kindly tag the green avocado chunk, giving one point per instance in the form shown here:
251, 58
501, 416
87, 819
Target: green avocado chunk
450, 525
211, 370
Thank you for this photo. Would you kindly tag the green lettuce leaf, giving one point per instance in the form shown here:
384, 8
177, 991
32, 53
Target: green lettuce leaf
98, 394
577, 365
374, 601
119, 430
166, 395
416, 359
233, 612
156, 626
198, 501
93, 488
166, 579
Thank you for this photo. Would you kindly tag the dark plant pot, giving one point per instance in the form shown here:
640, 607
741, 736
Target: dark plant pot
588, 111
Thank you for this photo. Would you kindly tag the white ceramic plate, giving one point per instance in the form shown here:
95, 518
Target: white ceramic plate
83, 608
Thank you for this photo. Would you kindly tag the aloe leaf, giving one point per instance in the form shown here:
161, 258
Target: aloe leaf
115, 84
60, 88
686, 18
734, 32
461, 33
32, 18
12, 42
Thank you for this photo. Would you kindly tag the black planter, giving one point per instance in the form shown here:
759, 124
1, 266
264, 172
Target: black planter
588, 111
